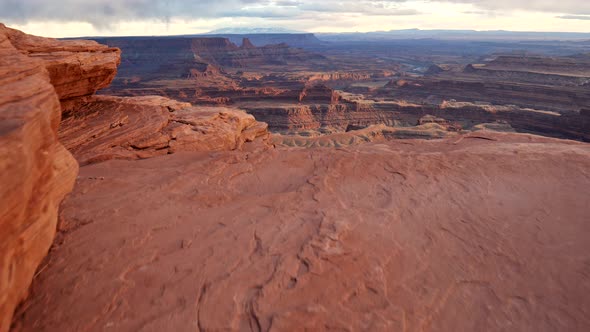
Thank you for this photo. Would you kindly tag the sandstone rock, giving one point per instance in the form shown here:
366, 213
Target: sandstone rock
161, 57
538, 82
206, 45
246, 43
488, 232
301, 40
78, 68
577, 65
140, 127
434, 70
319, 93
374, 133
364, 75
432, 119
36, 172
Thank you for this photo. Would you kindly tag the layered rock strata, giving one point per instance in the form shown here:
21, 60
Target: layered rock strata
544, 83
141, 127
43, 79
374, 133
486, 232
363, 113
36, 171
78, 68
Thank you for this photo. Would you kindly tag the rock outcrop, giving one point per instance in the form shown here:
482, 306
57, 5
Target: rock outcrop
246, 43
36, 171
485, 232
302, 40
172, 57
568, 66
359, 75
142, 127
78, 68
43, 79
375, 133
318, 93
543, 83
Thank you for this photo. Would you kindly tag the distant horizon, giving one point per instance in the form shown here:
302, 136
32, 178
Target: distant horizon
268, 31
77, 18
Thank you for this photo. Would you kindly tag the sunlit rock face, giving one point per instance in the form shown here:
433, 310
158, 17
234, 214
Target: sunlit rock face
486, 231
36, 171
187, 217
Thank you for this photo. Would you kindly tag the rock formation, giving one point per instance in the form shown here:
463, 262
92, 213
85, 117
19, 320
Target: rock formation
293, 89
77, 68
246, 43
374, 133
42, 79
142, 127
174, 56
36, 172
543, 83
484, 232
466, 230
302, 40
318, 93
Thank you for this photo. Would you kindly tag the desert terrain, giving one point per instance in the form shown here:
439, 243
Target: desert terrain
288, 182
326, 87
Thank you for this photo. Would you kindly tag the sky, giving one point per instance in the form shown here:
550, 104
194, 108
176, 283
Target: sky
73, 18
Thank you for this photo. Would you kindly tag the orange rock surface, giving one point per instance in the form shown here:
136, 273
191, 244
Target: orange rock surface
78, 68
140, 127
486, 233
35, 171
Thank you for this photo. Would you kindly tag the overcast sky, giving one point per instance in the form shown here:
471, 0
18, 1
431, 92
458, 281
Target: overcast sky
65, 18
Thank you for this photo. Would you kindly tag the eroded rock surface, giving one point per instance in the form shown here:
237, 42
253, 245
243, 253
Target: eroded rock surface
485, 233
375, 133
78, 68
36, 172
140, 127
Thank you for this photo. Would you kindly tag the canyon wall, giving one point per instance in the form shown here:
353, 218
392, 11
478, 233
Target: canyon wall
477, 232
543, 83
172, 57
355, 114
302, 40
36, 171
44, 79
77, 68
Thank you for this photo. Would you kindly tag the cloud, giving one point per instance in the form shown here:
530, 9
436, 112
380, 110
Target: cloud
574, 7
106, 14
575, 17
101, 13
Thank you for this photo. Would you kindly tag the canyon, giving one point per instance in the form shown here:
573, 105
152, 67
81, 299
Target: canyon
326, 88
239, 183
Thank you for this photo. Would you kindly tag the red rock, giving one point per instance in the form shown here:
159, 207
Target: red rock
246, 43
36, 172
206, 45
319, 93
364, 75
140, 127
484, 232
78, 68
